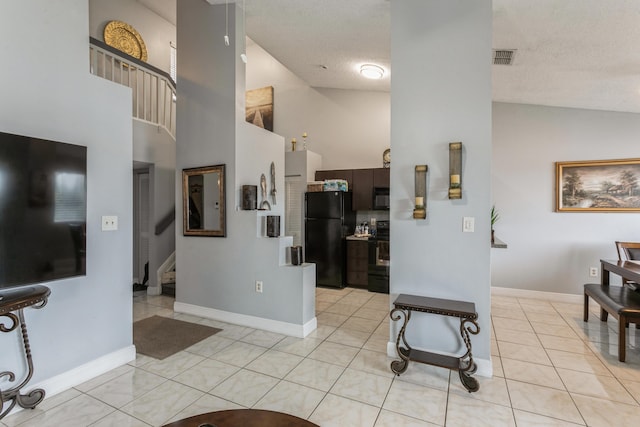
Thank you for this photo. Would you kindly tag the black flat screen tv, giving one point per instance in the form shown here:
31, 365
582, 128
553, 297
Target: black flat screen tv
43, 210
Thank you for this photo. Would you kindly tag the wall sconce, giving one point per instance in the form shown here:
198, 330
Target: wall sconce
455, 170
420, 211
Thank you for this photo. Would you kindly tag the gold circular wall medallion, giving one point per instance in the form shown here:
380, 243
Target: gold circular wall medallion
125, 38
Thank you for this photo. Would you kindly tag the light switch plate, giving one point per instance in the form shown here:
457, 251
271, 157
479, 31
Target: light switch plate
109, 223
468, 224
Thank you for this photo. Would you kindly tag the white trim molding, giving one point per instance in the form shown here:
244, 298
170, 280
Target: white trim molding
82, 373
548, 296
285, 328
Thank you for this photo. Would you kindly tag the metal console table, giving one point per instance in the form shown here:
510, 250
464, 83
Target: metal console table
466, 311
16, 300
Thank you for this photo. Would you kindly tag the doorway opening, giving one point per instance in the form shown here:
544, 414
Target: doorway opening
141, 226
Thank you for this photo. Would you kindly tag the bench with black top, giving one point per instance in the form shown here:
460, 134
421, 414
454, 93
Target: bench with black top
619, 301
12, 303
466, 311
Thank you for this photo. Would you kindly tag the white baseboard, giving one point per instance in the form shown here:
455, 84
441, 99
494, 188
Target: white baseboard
549, 296
485, 367
154, 290
290, 329
82, 373
89, 370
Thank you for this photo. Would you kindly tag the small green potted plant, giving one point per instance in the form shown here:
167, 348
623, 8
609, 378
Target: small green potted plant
495, 216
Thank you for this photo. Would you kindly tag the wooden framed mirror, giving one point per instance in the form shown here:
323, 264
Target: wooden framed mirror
203, 200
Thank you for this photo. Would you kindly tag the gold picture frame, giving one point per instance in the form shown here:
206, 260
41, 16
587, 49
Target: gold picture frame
598, 186
203, 201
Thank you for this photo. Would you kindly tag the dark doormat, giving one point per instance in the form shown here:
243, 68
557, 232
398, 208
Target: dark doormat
160, 337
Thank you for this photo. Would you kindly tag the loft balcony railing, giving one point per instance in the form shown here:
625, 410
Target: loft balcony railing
154, 92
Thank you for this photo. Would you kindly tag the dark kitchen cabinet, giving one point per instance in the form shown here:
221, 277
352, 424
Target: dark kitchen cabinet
346, 174
381, 177
361, 183
362, 189
357, 263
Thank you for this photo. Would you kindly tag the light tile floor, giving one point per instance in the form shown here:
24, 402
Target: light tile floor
550, 368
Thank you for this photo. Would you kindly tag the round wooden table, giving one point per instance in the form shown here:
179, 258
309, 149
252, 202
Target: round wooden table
243, 418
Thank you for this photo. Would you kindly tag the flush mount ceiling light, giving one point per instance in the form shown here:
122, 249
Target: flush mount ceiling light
371, 71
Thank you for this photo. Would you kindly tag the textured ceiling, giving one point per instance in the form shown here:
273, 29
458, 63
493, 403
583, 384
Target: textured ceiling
337, 34
575, 53
570, 53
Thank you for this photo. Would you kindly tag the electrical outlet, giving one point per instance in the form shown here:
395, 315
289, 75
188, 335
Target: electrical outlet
593, 271
468, 224
259, 286
109, 223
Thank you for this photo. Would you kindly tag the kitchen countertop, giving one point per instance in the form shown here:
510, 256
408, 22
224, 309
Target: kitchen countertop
363, 237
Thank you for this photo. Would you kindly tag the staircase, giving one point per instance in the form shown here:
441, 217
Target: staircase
154, 92
168, 282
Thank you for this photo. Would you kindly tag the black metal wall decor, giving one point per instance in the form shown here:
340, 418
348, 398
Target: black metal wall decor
273, 226
249, 197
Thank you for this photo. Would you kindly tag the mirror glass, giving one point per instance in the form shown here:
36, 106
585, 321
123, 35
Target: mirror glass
203, 201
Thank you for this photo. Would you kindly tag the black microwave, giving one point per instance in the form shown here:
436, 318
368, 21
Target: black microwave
381, 198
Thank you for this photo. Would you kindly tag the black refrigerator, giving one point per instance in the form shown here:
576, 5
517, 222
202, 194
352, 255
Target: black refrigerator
328, 220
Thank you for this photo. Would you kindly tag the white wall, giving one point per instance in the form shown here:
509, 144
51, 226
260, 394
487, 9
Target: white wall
434, 103
547, 250
352, 128
348, 128
49, 93
217, 275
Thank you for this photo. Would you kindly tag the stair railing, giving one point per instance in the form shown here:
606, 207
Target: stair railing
154, 92
166, 221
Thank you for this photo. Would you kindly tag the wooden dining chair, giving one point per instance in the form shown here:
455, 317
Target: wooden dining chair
628, 251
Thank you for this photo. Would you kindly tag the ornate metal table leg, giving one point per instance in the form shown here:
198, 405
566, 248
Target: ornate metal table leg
13, 394
399, 366
467, 365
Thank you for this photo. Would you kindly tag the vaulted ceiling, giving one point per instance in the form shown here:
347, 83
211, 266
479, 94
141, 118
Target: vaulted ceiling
569, 53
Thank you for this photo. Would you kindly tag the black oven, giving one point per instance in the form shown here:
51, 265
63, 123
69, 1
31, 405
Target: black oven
379, 259
381, 198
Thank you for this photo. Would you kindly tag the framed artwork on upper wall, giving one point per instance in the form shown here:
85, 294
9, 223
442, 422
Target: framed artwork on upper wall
598, 186
259, 107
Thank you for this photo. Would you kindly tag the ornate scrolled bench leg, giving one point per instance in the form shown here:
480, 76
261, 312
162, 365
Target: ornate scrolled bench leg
467, 365
13, 395
399, 366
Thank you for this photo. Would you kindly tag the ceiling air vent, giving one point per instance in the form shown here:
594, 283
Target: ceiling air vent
503, 56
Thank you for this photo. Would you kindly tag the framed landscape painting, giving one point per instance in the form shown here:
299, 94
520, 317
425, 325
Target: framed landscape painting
598, 186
